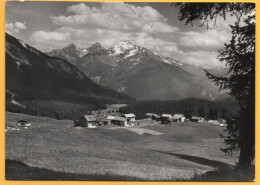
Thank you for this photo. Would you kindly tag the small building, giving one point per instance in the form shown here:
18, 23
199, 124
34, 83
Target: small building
165, 118
23, 123
152, 116
116, 120
85, 121
178, 118
129, 117
196, 119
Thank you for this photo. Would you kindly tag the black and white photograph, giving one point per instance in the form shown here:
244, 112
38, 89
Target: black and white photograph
130, 91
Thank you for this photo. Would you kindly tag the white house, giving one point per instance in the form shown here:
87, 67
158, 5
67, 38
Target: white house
129, 117
117, 120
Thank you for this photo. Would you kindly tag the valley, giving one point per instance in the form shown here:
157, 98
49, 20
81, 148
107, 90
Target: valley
54, 92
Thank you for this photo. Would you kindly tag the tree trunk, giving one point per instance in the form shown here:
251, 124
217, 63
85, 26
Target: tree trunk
247, 142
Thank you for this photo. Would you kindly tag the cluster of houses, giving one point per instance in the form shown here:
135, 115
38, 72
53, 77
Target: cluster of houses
91, 121
169, 118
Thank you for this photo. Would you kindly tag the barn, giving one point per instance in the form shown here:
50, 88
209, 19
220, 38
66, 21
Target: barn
85, 121
116, 120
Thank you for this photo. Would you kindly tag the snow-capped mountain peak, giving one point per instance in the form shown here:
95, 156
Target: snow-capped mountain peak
123, 46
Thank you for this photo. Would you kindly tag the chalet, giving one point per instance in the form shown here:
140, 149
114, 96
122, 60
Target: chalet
196, 119
165, 118
85, 121
152, 116
178, 118
116, 120
129, 117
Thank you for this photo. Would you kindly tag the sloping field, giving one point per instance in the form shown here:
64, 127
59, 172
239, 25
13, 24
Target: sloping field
56, 145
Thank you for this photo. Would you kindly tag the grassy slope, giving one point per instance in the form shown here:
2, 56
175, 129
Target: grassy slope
58, 146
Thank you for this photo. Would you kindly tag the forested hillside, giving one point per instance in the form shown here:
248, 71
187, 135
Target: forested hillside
226, 108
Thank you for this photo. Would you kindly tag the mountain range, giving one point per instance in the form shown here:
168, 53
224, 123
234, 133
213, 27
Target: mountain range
141, 73
33, 75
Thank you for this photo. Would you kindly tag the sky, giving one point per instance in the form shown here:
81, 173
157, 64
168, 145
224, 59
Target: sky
155, 26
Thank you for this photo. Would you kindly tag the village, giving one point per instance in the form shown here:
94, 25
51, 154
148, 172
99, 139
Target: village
111, 117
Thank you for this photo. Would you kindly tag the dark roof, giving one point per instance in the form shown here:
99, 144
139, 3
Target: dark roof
22, 121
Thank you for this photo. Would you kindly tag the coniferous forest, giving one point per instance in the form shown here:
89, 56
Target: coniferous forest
226, 108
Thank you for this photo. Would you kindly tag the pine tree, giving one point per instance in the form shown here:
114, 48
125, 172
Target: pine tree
239, 56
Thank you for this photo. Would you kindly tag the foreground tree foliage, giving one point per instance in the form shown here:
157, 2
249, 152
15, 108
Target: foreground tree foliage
239, 56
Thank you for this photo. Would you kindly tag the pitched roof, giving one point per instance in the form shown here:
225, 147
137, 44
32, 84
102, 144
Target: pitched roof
111, 117
117, 118
167, 115
177, 116
152, 114
131, 115
90, 117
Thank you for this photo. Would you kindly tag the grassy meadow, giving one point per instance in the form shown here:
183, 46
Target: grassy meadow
181, 151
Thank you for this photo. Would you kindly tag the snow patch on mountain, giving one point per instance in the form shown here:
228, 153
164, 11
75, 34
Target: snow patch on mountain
121, 47
131, 53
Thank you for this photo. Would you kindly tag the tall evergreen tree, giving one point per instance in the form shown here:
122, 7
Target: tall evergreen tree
239, 56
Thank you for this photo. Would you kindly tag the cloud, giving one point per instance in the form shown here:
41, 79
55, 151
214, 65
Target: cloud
42, 36
107, 24
15, 28
110, 22
202, 57
86, 37
115, 16
205, 38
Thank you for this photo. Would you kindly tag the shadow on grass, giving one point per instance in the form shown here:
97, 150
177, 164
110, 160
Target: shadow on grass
199, 160
223, 173
16, 170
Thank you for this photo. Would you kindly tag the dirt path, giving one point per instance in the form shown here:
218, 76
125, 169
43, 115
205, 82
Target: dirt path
142, 131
